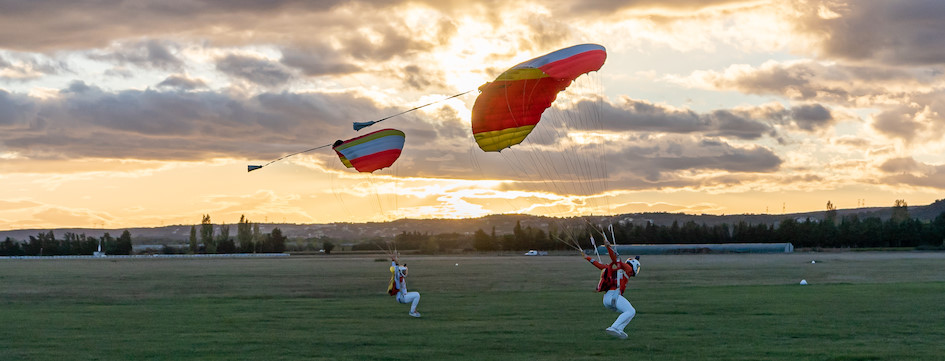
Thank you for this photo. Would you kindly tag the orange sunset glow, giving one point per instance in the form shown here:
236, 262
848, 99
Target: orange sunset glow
141, 115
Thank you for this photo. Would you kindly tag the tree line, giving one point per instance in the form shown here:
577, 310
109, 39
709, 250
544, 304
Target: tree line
248, 238
46, 244
832, 231
850, 231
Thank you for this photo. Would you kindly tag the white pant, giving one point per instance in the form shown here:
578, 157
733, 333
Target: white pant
412, 298
614, 301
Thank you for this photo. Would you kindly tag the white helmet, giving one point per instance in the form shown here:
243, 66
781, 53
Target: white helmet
633, 262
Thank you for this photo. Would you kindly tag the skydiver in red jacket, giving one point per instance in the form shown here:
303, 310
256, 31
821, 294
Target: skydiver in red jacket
613, 281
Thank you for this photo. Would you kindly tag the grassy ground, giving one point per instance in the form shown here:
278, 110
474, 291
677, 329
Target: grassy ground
858, 306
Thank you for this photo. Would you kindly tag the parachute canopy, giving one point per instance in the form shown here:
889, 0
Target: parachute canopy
508, 108
371, 151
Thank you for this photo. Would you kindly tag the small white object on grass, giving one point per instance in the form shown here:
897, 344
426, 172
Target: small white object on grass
457, 264
803, 282
813, 261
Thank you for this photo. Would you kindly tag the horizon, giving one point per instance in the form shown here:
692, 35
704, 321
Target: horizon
135, 116
840, 210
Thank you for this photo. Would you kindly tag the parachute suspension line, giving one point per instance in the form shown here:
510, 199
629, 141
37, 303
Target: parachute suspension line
377, 196
255, 167
545, 163
360, 125
339, 197
572, 171
592, 169
601, 146
519, 166
395, 192
568, 243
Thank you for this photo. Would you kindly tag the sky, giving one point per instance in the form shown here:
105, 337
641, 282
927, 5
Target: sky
146, 113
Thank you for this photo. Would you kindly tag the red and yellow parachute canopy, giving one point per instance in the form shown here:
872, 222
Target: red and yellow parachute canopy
371, 151
508, 108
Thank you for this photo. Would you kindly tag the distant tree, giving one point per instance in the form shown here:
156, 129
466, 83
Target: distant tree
257, 237
483, 242
328, 246
224, 232
109, 245
226, 246
830, 216
123, 243
244, 234
193, 239
274, 242
223, 242
50, 246
938, 230
900, 211
206, 234
519, 236
11, 247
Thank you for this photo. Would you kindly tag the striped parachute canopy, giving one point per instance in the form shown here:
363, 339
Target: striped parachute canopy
508, 108
371, 151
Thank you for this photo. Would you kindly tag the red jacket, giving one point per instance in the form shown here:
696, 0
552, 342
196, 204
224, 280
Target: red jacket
614, 275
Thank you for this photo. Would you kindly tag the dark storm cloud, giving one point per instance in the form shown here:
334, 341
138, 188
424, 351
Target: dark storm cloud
182, 82
893, 32
909, 172
148, 54
256, 70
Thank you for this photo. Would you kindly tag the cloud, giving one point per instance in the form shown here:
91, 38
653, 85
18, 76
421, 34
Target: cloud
151, 53
908, 101
86, 121
648, 7
909, 172
382, 42
808, 80
259, 71
182, 82
14, 109
851, 141
643, 116
654, 158
810, 117
23, 67
891, 32
17, 205
317, 61
920, 121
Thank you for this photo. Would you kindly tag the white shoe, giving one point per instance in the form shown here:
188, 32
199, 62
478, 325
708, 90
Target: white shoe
415, 314
616, 333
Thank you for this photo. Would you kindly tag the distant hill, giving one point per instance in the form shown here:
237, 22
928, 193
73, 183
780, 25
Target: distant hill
503, 224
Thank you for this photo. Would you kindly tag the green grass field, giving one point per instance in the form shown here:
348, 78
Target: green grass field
858, 306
